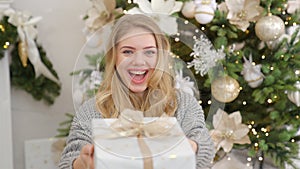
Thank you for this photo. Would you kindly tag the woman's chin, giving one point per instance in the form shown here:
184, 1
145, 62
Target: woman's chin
138, 89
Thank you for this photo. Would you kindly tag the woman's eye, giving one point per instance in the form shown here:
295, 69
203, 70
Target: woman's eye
127, 52
150, 52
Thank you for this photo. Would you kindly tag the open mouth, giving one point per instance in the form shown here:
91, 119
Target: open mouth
138, 76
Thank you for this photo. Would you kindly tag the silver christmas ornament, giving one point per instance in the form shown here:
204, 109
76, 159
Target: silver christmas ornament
269, 28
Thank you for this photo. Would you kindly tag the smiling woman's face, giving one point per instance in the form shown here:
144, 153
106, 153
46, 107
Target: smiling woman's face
136, 59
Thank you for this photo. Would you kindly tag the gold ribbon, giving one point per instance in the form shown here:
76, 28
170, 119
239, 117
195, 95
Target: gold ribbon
146, 152
130, 123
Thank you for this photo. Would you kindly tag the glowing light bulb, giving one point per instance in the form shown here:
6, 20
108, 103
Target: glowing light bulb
2, 28
270, 101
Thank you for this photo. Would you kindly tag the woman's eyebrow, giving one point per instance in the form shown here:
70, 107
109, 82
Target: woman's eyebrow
148, 47
130, 47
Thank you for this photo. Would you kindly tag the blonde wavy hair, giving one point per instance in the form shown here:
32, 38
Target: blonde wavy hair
160, 96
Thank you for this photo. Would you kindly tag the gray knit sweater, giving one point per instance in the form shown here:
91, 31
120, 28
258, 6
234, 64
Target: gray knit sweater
189, 115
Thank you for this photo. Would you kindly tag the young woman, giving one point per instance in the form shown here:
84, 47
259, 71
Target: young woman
138, 76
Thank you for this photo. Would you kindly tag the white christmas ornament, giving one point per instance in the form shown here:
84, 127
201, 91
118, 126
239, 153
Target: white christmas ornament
252, 73
269, 28
204, 14
294, 96
205, 11
189, 9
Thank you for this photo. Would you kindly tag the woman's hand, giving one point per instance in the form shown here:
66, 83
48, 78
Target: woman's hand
194, 145
86, 158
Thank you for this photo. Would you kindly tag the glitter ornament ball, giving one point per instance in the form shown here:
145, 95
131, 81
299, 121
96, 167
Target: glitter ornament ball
225, 89
269, 28
204, 14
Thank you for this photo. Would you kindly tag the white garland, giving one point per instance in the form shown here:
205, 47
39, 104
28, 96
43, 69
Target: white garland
205, 56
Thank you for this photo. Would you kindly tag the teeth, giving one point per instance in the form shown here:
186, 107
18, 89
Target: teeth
137, 72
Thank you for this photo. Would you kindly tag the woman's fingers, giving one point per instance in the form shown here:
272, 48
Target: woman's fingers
194, 145
87, 156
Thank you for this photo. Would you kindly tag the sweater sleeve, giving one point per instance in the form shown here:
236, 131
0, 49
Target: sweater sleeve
191, 118
80, 134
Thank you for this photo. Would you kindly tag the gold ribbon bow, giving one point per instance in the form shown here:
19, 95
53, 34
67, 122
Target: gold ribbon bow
130, 123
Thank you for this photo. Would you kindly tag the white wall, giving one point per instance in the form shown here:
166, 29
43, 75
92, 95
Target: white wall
60, 33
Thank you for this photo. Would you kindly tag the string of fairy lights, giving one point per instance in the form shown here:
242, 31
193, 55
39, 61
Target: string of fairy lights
251, 125
7, 43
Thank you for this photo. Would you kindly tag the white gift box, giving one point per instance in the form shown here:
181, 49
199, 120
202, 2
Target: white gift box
170, 150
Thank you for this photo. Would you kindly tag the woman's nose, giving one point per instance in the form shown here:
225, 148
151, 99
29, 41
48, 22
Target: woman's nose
139, 58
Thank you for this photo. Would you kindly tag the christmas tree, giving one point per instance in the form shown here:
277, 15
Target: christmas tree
247, 73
